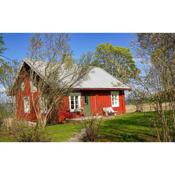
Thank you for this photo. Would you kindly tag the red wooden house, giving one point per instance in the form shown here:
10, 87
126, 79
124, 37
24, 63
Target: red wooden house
98, 92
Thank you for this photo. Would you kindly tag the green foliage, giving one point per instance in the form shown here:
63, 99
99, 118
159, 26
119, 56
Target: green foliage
2, 48
132, 127
91, 127
4, 66
116, 60
8, 72
160, 47
54, 133
1, 121
5, 110
23, 132
67, 60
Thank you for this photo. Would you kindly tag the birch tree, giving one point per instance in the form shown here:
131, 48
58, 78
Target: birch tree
51, 53
158, 81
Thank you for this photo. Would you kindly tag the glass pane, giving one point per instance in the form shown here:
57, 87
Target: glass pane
76, 102
72, 102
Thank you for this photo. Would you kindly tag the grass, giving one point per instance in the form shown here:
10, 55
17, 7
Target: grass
62, 132
133, 127
4, 137
55, 133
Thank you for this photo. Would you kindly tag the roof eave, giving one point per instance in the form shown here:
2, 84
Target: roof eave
102, 88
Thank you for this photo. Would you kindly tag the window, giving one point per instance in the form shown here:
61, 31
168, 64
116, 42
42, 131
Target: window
43, 106
115, 98
22, 86
74, 101
32, 87
26, 104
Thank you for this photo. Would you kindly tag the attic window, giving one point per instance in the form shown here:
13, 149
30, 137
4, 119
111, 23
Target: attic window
22, 86
115, 98
26, 105
33, 87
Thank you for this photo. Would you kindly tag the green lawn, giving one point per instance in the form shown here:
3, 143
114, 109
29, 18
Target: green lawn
55, 133
4, 137
134, 127
62, 132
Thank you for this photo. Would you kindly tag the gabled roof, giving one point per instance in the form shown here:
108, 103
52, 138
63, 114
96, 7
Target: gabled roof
96, 78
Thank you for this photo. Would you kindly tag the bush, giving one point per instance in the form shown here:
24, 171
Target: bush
91, 127
24, 132
1, 121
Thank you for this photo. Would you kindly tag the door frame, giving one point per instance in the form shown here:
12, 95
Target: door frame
88, 106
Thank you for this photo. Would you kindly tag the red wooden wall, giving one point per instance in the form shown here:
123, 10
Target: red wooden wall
98, 100
101, 99
20, 104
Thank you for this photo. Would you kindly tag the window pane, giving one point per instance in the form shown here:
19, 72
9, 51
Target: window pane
72, 106
76, 102
72, 102
115, 100
72, 98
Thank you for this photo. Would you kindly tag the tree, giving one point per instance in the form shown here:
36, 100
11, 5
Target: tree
7, 73
116, 60
67, 60
161, 49
158, 80
52, 53
2, 48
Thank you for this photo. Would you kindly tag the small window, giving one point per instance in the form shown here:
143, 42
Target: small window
115, 99
22, 86
26, 105
33, 87
74, 101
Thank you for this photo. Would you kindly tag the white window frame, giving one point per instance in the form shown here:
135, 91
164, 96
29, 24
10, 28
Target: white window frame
26, 104
79, 103
117, 102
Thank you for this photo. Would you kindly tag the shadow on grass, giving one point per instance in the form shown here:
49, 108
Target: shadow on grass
135, 127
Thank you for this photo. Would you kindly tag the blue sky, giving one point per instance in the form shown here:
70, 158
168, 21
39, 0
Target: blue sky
17, 43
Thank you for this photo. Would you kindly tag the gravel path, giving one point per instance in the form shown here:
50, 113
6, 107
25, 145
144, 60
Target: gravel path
77, 137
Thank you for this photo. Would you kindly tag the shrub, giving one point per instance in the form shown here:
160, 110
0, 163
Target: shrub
91, 127
25, 132
1, 121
